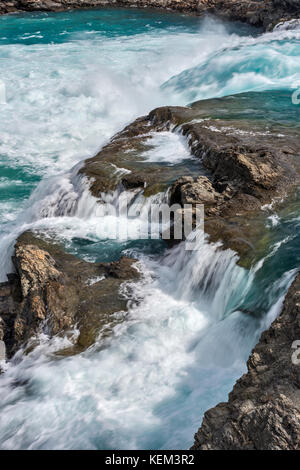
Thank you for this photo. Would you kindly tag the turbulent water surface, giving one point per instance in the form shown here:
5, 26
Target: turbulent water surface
72, 80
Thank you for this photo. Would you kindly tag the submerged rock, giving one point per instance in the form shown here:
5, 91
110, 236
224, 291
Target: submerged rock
263, 410
52, 291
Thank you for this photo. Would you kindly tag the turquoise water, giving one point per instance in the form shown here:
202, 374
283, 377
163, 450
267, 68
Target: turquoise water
72, 80
63, 27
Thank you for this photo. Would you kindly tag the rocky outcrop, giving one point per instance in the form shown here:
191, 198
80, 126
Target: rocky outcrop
199, 190
243, 164
245, 171
289, 4
121, 163
52, 291
263, 410
263, 13
247, 163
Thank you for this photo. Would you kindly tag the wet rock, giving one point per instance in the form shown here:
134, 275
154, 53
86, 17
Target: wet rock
199, 190
53, 290
243, 164
259, 13
120, 164
247, 165
289, 4
263, 410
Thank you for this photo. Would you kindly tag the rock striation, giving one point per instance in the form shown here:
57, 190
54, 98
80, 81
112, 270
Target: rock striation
261, 13
263, 410
52, 291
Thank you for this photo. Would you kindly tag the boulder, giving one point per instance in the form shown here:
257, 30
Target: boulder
52, 291
189, 190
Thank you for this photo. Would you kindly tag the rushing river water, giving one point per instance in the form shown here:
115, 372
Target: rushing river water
72, 80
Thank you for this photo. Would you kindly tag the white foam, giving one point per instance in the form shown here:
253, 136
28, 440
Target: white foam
288, 25
167, 147
241, 64
95, 280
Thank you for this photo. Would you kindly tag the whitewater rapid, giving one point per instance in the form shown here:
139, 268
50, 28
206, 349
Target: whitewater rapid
186, 338
64, 100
